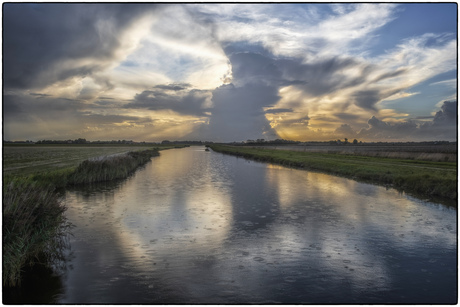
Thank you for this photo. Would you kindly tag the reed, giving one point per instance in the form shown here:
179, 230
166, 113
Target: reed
110, 168
34, 227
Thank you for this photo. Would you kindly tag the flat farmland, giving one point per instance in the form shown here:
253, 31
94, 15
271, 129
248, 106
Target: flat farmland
30, 159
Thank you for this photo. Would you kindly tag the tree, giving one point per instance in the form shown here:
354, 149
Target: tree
80, 141
355, 141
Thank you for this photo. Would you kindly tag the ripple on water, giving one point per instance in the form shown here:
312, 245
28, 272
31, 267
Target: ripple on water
290, 279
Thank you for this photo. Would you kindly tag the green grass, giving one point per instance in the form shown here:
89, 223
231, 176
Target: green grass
421, 178
27, 160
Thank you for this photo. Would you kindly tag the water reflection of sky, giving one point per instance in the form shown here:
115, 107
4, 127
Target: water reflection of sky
201, 227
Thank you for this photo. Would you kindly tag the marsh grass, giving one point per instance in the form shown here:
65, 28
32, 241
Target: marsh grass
423, 178
110, 168
34, 227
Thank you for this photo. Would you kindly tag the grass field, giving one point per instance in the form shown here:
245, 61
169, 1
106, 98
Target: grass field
428, 179
31, 159
26, 160
416, 151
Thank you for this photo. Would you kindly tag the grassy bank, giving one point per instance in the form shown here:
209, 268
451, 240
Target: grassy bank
423, 178
34, 226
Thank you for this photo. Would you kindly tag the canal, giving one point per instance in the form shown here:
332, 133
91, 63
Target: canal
197, 227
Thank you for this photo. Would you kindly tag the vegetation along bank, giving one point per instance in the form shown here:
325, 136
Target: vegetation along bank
434, 180
34, 226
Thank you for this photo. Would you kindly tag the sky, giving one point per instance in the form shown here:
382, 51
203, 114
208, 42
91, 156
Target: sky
228, 72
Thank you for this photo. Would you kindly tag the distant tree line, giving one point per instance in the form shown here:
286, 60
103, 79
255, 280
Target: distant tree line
247, 142
83, 141
272, 142
345, 142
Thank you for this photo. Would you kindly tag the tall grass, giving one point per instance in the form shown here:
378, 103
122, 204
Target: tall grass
110, 168
34, 227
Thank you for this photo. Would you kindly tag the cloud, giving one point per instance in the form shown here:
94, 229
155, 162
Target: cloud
347, 116
173, 87
301, 30
39, 95
58, 118
174, 97
400, 95
326, 75
54, 42
276, 111
450, 83
444, 124
345, 130
236, 71
238, 113
447, 116
380, 130
442, 127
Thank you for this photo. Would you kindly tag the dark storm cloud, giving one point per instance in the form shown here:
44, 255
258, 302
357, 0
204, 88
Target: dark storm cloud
38, 36
258, 67
257, 78
172, 97
379, 129
238, 108
345, 130
443, 127
254, 67
238, 112
447, 115
11, 106
14, 105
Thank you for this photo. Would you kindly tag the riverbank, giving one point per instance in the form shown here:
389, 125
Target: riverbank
34, 226
433, 180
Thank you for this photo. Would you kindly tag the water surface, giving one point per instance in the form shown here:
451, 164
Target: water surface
196, 227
